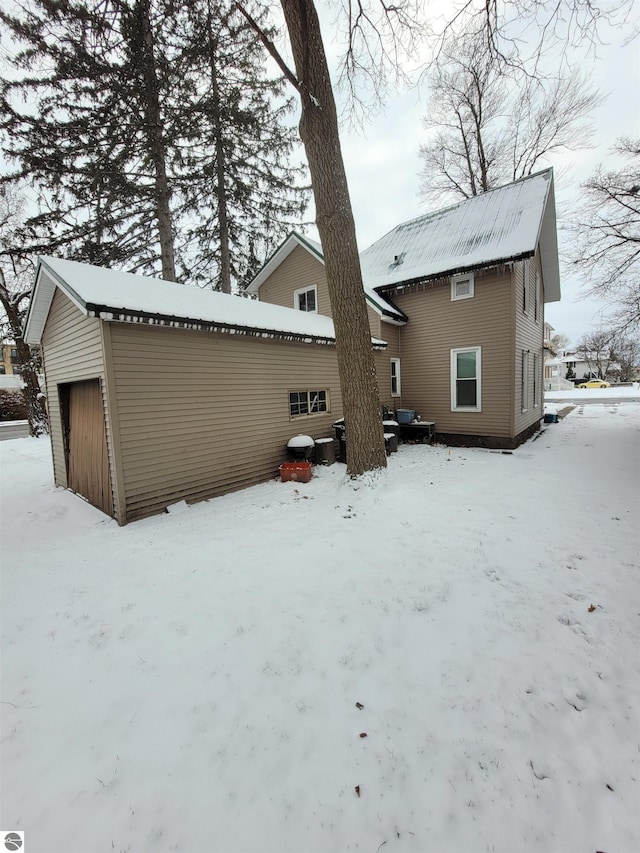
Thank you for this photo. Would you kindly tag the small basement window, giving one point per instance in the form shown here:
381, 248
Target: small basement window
306, 299
462, 286
308, 403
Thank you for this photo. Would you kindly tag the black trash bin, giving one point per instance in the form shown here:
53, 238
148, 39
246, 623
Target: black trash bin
390, 425
342, 440
390, 442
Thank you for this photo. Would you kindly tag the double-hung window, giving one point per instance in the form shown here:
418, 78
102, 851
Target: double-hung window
306, 299
536, 380
308, 403
525, 287
395, 377
466, 379
525, 380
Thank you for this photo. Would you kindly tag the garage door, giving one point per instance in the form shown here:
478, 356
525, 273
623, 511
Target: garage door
86, 443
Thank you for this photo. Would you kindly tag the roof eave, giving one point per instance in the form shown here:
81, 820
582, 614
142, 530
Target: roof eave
383, 288
111, 313
281, 253
46, 281
548, 243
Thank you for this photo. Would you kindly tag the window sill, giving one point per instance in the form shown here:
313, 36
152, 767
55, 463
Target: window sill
308, 415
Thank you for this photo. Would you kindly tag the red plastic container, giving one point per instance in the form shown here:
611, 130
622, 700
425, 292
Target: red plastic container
299, 472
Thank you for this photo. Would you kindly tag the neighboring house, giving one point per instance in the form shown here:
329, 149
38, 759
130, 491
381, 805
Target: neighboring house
554, 369
158, 392
576, 367
554, 372
458, 295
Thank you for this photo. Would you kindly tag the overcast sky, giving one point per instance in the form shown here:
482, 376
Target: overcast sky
383, 165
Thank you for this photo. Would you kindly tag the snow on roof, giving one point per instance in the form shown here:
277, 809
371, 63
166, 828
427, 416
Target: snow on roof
110, 294
316, 245
500, 225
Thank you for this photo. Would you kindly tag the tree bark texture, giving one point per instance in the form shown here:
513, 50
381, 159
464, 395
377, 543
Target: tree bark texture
334, 218
156, 144
220, 190
33, 398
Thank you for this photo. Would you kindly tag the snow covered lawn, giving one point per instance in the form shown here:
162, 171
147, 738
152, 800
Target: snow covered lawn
203, 681
590, 395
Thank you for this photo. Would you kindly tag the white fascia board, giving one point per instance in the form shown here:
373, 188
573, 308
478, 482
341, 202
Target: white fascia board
548, 242
384, 318
46, 281
294, 239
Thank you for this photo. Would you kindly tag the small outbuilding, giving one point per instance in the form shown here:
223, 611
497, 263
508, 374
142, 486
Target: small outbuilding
159, 392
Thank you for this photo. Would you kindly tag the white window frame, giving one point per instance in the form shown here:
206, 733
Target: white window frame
460, 279
302, 290
524, 380
536, 378
538, 303
454, 379
309, 404
525, 287
394, 369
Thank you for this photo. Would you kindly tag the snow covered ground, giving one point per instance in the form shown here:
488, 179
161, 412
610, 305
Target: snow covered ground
202, 681
580, 395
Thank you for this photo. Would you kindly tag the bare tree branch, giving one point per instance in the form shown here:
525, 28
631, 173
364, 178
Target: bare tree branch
507, 123
607, 235
272, 50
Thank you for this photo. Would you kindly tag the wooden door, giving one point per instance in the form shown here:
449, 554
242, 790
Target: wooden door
86, 443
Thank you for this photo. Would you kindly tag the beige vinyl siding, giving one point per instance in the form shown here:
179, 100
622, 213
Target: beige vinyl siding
528, 337
72, 351
375, 324
391, 334
436, 326
203, 414
298, 270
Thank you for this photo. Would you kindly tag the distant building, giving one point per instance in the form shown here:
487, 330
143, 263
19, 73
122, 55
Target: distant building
8, 359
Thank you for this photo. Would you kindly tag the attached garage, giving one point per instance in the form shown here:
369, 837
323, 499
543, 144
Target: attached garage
158, 392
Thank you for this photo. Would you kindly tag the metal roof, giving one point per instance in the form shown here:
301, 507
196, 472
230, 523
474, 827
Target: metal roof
505, 224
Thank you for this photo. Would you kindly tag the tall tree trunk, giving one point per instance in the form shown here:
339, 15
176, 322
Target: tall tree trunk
33, 398
221, 192
156, 143
320, 136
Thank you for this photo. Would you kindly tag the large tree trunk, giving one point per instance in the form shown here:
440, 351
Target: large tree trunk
320, 136
32, 393
33, 398
221, 193
156, 144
